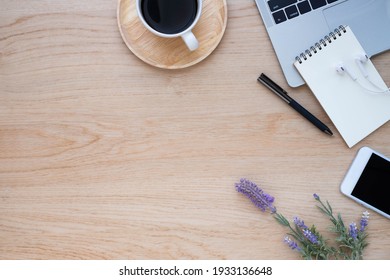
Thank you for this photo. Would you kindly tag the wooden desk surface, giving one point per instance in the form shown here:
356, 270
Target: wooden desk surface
105, 157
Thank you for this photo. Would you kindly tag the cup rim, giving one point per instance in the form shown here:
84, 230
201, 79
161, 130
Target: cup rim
165, 35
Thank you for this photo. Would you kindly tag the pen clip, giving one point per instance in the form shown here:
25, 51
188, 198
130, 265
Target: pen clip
274, 87
271, 83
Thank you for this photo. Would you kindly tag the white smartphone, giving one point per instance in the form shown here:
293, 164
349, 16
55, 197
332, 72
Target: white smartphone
368, 181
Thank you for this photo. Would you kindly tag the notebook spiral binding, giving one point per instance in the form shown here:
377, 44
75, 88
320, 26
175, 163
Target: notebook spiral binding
322, 43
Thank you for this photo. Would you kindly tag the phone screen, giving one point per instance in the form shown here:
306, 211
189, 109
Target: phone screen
373, 186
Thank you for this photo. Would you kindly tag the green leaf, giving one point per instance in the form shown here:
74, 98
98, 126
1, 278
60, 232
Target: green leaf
329, 207
281, 219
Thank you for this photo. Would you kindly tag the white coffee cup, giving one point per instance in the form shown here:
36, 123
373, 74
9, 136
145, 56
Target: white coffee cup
186, 34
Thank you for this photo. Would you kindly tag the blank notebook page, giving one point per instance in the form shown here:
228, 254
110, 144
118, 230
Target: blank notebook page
356, 108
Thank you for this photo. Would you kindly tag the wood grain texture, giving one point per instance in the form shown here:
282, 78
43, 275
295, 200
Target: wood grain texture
103, 156
172, 53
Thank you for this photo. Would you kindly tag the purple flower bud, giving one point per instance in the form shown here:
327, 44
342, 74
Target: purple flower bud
261, 199
300, 223
353, 231
291, 243
364, 220
316, 196
310, 236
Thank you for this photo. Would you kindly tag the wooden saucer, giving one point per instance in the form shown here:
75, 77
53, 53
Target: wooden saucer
172, 53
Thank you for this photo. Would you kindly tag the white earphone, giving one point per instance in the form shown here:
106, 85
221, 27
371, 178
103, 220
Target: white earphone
341, 69
360, 60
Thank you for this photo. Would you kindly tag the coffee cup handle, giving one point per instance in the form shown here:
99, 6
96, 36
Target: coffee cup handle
190, 40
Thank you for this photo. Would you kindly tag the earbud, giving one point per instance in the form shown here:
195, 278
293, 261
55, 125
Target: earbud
360, 61
341, 69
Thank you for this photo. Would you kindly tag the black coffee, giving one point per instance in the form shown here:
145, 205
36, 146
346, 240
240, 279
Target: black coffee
169, 16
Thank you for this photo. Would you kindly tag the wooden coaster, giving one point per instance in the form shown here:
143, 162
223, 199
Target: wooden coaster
172, 53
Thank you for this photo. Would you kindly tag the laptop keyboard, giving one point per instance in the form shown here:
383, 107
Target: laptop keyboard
287, 9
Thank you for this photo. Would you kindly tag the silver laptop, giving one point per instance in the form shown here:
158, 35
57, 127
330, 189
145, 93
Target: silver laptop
293, 26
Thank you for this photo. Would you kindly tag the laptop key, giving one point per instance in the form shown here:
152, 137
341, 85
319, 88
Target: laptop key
291, 12
279, 16
275, 5
331, 1
304, 7
317, 3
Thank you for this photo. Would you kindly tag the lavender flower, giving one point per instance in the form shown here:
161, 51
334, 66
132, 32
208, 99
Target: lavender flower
310, 236
291, 243
261, 199
300, 223
364, 220
350, 243
353, 231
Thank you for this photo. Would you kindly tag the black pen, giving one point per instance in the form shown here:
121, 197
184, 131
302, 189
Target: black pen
283, 94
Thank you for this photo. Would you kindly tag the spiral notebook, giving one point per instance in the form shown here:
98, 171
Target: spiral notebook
356, 107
